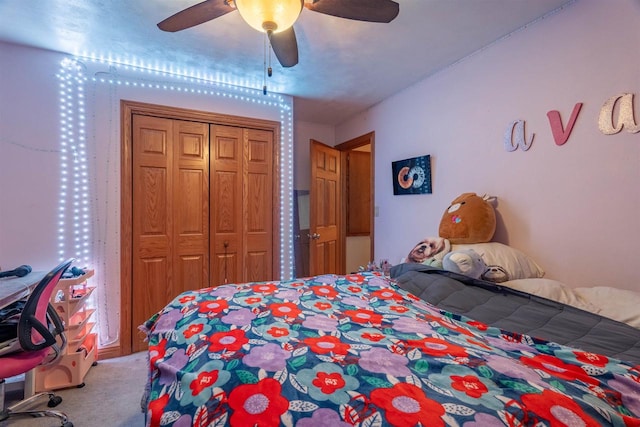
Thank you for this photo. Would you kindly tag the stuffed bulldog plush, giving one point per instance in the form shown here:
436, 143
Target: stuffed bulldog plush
469, 219
430, 251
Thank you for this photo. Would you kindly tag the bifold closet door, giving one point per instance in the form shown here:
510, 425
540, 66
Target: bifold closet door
242, 204
170, 213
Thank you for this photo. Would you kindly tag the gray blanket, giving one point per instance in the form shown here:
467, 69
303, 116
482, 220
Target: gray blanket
516, 311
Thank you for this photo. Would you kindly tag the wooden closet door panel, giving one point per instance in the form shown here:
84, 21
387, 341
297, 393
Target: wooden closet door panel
259, 205
227, 245
152, 219
170, 213
191, 207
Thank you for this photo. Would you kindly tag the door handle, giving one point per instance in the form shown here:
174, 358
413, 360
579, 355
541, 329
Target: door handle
314, 236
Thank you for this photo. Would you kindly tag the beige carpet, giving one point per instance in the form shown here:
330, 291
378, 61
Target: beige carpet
111, 396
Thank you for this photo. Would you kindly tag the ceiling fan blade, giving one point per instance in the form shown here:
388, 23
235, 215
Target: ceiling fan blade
285, 46
195, 15
359, 10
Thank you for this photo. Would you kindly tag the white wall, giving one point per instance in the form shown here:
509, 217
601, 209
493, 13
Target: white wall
304, 132
573, 208
30, 158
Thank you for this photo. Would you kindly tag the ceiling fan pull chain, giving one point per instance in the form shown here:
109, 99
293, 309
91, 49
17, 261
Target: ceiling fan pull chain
264, 66
270, 70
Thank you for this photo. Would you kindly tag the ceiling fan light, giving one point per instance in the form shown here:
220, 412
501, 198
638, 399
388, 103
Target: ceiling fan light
257, 13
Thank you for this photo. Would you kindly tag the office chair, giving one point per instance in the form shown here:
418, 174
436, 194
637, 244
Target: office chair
41, 340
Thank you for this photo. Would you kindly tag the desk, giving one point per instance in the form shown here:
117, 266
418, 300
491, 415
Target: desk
14, 289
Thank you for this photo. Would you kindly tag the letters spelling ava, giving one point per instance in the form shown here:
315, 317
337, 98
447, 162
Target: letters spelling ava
515, 135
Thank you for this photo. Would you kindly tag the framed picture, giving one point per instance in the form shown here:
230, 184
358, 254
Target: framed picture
412, 176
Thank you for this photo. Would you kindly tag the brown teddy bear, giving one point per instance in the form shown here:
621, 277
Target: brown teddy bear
469, 219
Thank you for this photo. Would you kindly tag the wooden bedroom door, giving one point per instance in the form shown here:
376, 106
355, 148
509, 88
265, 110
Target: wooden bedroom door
325, 249
170, 213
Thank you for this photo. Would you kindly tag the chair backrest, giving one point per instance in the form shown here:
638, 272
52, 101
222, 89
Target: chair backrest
34, 331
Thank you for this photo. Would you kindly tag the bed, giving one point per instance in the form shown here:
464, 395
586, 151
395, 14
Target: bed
358, 350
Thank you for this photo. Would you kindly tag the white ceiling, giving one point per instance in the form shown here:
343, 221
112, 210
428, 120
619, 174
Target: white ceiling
345, 66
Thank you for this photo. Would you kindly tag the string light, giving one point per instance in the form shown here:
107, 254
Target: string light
73, 212
75, 232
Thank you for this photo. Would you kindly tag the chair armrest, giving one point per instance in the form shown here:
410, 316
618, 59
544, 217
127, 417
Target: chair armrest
25, 336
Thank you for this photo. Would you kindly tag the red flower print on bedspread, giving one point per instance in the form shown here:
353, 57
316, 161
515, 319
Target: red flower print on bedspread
258, 404
230, 341
406, 405
558, 409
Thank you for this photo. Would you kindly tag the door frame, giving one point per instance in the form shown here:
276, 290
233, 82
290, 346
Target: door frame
344, 147
127, 110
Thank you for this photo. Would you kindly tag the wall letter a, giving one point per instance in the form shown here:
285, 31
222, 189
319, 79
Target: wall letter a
514, 137
626, 117
561, 135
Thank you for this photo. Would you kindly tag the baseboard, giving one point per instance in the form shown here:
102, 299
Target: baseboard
109, 352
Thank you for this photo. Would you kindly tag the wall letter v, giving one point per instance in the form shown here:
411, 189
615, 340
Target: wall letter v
559, 134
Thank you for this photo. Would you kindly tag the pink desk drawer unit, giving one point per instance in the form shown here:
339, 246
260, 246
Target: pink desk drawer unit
71, 301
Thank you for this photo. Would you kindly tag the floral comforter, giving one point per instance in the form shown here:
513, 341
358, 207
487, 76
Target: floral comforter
356, 350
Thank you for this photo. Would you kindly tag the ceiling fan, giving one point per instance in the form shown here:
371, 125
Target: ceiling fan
276, 17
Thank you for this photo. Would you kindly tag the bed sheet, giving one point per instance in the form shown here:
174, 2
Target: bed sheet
622, 305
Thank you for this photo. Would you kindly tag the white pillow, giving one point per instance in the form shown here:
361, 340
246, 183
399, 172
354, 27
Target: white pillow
553, 290
515, 263
617, 304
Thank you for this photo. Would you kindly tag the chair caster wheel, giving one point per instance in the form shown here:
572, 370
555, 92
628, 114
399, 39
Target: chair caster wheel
95, 363
54, 401
67, 424
80, 385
